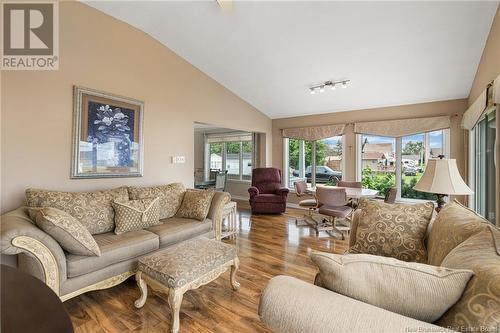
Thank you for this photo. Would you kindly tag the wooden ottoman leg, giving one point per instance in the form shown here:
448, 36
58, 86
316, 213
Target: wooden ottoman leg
144, 290
175, 301
234, 268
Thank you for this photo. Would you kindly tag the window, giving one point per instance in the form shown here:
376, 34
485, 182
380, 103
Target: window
233, 155
378, 162
215, 156
416, 150
313, 161
329, 163
483, 169
231, 152
247, 160
399, 162
299, 161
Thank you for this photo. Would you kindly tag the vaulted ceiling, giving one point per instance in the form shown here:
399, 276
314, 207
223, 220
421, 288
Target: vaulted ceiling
269, 53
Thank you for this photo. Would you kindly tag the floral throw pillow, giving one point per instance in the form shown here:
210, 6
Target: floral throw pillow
387, 283
66, 230
393, 230
136, 214
196, 204
170, 197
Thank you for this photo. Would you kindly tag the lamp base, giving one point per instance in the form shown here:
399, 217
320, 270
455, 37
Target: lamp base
440, 202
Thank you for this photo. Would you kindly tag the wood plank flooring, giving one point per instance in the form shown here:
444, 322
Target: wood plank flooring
268, 245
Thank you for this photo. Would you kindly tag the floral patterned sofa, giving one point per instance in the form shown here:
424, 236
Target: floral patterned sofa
457, 239
69, 275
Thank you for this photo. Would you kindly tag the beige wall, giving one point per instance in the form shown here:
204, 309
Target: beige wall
489, 66
199, 150
488, 70
100, 52
454, 108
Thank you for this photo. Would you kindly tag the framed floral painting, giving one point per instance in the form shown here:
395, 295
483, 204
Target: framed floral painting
107, 135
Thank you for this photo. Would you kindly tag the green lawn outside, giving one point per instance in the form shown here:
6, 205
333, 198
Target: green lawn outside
381, 181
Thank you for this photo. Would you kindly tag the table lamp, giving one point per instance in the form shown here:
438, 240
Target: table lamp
441, 177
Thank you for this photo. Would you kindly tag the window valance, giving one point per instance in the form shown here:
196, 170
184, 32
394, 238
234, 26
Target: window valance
402, 127
314, 133
229, 137
483, 104
474, 112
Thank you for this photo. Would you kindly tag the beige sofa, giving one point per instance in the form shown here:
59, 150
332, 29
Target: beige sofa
463, 241
70, 275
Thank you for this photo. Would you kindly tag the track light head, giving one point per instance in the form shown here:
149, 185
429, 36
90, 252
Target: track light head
332, 84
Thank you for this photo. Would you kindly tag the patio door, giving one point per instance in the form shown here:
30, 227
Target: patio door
484, 143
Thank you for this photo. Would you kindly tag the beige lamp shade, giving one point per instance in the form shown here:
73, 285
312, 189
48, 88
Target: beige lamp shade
441, 176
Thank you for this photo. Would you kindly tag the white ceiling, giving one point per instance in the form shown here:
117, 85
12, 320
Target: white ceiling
268, 53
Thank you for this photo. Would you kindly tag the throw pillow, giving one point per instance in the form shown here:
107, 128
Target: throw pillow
479, 307
196, 204
92, 209
170, 197
66, 230
136, 214
393, 230
414, 290
453, 225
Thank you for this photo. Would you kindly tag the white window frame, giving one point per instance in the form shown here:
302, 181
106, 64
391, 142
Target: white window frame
224, 160
286, 165
398, 161
472, 162
472, 168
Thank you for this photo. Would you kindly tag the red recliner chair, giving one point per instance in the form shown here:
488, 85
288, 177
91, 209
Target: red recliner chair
267, 196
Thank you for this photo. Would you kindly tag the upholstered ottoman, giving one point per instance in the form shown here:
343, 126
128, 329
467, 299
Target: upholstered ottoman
183, 267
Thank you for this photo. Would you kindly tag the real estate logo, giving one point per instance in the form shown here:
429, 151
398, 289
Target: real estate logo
30, 36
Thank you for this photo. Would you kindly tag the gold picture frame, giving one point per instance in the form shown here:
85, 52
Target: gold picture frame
107, 135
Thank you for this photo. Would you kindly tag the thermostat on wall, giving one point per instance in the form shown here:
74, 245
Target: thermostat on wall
178, 159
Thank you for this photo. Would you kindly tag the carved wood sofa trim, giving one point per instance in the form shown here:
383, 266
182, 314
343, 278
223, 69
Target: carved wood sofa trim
105, 284
44, 256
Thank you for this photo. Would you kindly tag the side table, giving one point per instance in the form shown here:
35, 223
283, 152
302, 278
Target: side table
229, 216
29, 305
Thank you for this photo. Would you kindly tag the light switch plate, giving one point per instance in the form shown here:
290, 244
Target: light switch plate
178, 159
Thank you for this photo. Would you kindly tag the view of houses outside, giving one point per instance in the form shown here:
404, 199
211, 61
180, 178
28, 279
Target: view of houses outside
379, 161
232, 159
216, 156
378, 156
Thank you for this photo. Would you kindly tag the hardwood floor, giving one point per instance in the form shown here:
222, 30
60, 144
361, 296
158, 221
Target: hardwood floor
268, 246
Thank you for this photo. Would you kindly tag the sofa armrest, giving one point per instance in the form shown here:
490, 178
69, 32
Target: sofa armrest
289, 305
283, 191
18, 234
219, 200
253, 191
354, 227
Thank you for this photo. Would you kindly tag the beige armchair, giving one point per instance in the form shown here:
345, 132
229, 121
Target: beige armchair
290, 305
458, 239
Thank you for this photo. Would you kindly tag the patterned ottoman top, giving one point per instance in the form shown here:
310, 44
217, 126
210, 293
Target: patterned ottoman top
185, 262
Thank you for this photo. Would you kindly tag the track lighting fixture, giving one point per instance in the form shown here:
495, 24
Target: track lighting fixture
332, 84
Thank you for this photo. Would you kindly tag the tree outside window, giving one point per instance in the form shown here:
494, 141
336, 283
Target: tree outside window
379, 162
327, 161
